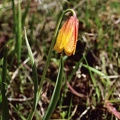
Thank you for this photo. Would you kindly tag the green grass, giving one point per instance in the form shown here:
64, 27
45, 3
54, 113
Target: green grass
93, 71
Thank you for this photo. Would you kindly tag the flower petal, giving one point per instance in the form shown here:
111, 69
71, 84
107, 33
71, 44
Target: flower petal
67, 37
71, 45
66, 32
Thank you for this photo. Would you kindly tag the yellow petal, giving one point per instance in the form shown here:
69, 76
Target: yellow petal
70, 46
57, 48
67, 37
66, 33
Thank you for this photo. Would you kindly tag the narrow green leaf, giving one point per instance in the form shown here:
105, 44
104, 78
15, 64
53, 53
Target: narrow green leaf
74, 70
14, 32
25, 13
56, 93
35, 77
19, 33
106, 83
18, 112
94, 70
92, 78
15, 17
17, 30
29, 49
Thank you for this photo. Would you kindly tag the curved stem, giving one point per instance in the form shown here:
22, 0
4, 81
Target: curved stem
49, 55
52, 45
70, 10
51, 48
49, 58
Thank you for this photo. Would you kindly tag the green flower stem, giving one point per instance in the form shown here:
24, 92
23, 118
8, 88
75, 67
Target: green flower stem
51, 48
49, 58
70, 10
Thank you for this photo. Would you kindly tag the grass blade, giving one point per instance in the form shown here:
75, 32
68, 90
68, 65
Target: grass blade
35, 77
93, 79
94, 70
17, 29
18, 112
56, 93
25, 13
15, 17
107, 82
74, 70
19, 32
29, 49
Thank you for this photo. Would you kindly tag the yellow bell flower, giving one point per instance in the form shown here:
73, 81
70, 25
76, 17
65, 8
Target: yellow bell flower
67, 37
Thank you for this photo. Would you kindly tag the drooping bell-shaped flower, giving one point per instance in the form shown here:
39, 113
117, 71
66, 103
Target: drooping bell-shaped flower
67, 37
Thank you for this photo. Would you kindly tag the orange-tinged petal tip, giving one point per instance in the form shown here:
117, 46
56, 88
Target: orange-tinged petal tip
67, 37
